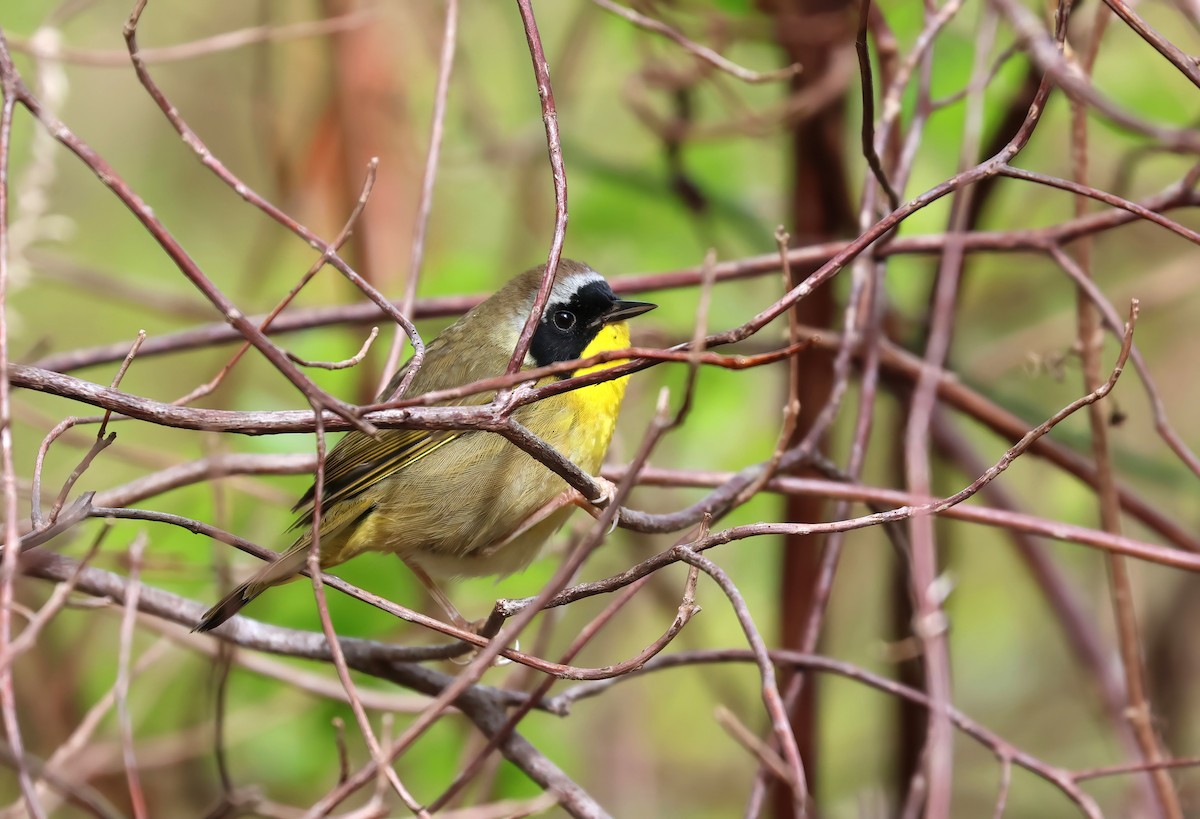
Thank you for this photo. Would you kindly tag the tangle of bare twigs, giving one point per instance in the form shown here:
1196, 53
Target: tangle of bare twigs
890, 365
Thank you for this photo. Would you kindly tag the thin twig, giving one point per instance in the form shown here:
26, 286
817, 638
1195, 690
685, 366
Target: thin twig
345, 363
226, 41
701, 52
137, 796
868, 106
10, 87
558, 171
386, 771
116, 382
1089, 338
772, 699
1060, 778
268, 320
425, 204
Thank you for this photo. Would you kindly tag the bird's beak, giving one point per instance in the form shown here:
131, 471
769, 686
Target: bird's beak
622, 310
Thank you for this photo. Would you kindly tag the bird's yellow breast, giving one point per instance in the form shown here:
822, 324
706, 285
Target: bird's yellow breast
594, 409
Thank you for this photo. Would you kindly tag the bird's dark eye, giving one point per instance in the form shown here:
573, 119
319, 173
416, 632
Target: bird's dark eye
564, 320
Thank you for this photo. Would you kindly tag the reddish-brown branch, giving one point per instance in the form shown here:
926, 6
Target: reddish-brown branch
315, 268
687, 610
205, 46
210, 161
1046, 51
1060, 778
780, 724
1185, 64
495, 646
868, 106
703, 53
1113, 321
1009, 241
137, 796
425, 204
145, 215
862, 357
558, 171
10, 88
483, 706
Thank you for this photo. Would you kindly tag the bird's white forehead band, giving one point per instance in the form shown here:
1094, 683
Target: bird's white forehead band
570, 284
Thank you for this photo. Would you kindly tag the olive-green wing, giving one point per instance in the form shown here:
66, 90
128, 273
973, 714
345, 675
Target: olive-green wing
359, 461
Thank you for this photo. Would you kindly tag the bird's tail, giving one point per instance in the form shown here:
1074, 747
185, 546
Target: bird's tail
280, 570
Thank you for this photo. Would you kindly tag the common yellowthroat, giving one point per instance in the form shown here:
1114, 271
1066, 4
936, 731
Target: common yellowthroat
468, 503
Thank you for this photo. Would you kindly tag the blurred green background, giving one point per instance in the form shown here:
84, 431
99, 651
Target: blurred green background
284, 117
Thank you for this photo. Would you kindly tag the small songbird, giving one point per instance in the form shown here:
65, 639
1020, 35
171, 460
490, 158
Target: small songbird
459, 503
